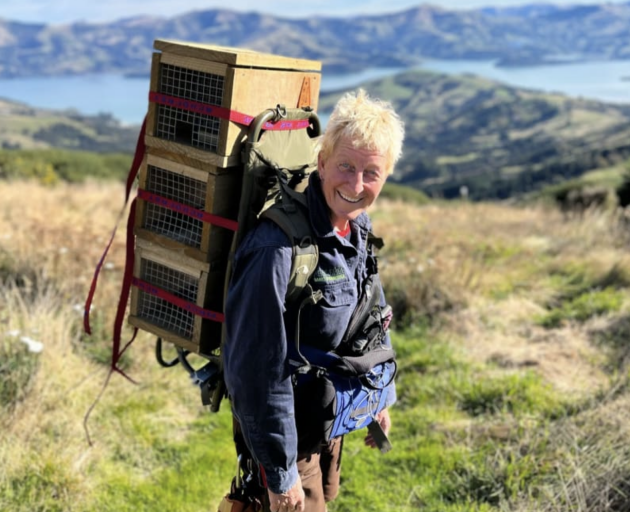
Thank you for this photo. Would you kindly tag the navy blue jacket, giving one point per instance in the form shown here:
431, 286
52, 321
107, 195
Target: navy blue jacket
260, 326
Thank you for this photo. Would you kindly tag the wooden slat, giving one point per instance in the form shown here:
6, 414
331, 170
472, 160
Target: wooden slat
192, 153
200, 172
227, 126
149, 249
163, 333
235, 56
201, 302
203, 65
175, 249
154, 87
142, 183
186, 161
134, 301
137, 265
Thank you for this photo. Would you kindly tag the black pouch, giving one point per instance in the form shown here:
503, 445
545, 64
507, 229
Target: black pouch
314, 412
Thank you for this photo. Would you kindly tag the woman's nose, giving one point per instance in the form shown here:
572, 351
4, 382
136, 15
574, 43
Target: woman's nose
356, 181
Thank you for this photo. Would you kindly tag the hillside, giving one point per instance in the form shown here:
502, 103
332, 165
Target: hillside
526, 35
511, 330
26, 127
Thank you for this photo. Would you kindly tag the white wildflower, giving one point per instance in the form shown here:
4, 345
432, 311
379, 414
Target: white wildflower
33, 345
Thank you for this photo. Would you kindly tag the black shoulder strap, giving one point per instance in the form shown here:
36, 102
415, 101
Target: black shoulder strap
371, 292
295, 224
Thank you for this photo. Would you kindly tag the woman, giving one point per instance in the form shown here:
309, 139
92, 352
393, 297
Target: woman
358, 151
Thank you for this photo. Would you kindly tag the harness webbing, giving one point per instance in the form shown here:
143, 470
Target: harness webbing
191, 307
185, 209
207, 109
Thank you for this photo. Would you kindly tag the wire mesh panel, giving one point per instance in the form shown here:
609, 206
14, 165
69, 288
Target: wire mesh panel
170, 223
160, 312
191, 128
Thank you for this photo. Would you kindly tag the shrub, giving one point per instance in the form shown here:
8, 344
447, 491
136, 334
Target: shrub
403, 193
417, 299
17, 368
51, 165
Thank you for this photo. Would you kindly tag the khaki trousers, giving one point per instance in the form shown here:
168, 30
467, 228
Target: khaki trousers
320, 473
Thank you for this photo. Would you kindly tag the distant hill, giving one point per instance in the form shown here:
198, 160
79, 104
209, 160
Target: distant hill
25, 127
513, 36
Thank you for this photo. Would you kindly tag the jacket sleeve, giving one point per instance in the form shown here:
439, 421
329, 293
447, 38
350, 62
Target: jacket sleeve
255, 362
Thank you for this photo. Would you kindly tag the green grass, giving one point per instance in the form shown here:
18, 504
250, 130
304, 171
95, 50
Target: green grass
186, 474
584, 306
52, 165
17, 366
460, 441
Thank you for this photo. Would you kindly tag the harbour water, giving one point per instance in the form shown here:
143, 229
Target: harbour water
127, 98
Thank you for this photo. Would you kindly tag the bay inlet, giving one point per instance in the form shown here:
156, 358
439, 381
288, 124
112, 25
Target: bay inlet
126, 98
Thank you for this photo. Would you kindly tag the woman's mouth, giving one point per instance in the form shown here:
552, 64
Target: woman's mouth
349, 199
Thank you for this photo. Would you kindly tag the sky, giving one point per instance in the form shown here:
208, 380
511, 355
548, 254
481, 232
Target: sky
68, 11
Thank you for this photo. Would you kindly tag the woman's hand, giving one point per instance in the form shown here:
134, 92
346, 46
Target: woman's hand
383, 420
290, 501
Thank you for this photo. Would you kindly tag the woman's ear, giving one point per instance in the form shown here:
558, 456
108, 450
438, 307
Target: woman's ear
321, 166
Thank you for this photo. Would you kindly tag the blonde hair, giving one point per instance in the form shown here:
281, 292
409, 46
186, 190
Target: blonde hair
369, 123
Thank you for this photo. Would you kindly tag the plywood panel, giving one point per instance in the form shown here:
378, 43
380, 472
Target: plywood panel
189, 152
203, 65
234, 56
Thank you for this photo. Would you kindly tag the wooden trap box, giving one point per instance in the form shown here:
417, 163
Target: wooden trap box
171, 186
186, 279
235, 79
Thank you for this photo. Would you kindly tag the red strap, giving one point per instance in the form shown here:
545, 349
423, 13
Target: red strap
124, 295
122, 302
185, 209
223, 113
133, 171
263, 476
177, 301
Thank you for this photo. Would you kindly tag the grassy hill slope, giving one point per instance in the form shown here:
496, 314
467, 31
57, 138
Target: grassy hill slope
27, 127
511, 329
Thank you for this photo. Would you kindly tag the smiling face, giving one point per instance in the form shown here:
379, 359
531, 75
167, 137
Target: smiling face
352, 179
